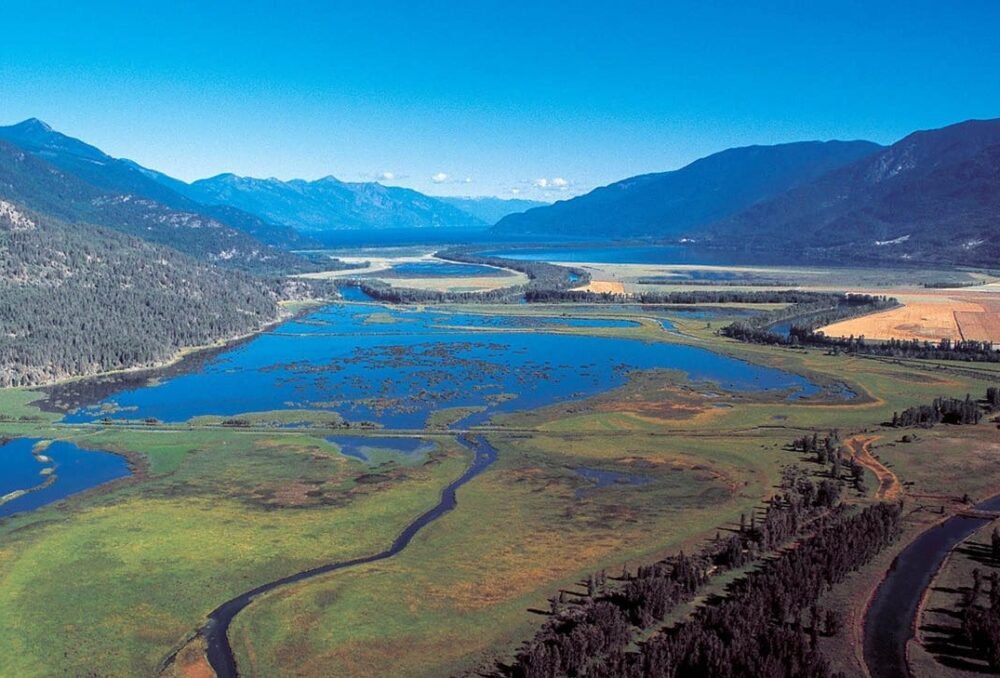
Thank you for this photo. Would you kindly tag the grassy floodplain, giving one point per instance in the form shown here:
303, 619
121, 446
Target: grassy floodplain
115, 580
521, 535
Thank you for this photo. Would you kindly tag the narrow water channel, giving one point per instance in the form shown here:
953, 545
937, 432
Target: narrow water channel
216, 630
891, 618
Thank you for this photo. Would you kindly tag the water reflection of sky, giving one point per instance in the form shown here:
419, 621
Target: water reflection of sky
396, 366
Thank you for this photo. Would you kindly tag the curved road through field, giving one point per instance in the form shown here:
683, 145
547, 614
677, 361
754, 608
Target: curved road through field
889, 487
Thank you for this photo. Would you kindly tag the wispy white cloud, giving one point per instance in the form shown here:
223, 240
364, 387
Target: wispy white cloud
387, 176
551, 184
439, 178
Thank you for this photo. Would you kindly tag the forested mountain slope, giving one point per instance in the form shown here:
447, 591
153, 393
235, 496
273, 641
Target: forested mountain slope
121, 176
679, 203
78, 300
932, 196
40, 186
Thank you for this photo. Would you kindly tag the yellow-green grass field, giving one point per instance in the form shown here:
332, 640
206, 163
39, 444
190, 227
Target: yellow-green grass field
112, 581
520, 534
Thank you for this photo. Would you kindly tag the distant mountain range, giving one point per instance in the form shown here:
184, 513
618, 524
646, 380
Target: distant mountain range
672, 204
932, 196
245, 222
329, 204
491, 210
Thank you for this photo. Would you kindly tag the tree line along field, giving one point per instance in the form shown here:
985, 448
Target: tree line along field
936, 304
523, 529
942, 647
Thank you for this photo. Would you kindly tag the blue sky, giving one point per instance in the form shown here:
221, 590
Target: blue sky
537, 99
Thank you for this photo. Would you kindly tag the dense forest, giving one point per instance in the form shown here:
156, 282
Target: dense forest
80, 300
758, 629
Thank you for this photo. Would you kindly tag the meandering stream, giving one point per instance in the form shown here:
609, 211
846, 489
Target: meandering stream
216, 630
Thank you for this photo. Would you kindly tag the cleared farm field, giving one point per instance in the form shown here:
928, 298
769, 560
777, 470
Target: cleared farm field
601, 286
930, 317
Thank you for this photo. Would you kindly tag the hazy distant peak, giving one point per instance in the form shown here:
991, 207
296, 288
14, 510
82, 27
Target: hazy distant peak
33, 125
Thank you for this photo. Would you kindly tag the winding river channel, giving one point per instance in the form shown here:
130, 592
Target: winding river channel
891, 618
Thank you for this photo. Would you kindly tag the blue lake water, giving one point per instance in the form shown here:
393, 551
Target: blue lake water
360, 447
399, 372
444, 269
75, 470
354, 294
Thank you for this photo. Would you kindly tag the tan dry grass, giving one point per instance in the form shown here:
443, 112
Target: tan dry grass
600, 286
929, 317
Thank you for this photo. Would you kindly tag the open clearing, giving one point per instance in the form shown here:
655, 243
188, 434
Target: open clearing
931, 316
601, 286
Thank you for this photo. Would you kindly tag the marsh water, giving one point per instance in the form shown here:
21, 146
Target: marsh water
387, 365
396, 366
54, 472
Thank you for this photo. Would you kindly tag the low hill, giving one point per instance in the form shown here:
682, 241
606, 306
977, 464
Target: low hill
932, 196
677, 203
77, 300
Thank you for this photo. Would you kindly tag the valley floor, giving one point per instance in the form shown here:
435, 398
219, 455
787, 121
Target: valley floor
117, 581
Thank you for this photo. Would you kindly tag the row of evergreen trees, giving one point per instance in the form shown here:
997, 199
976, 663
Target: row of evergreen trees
758, 630
981, 620
734, 296
543, 278
589, 635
